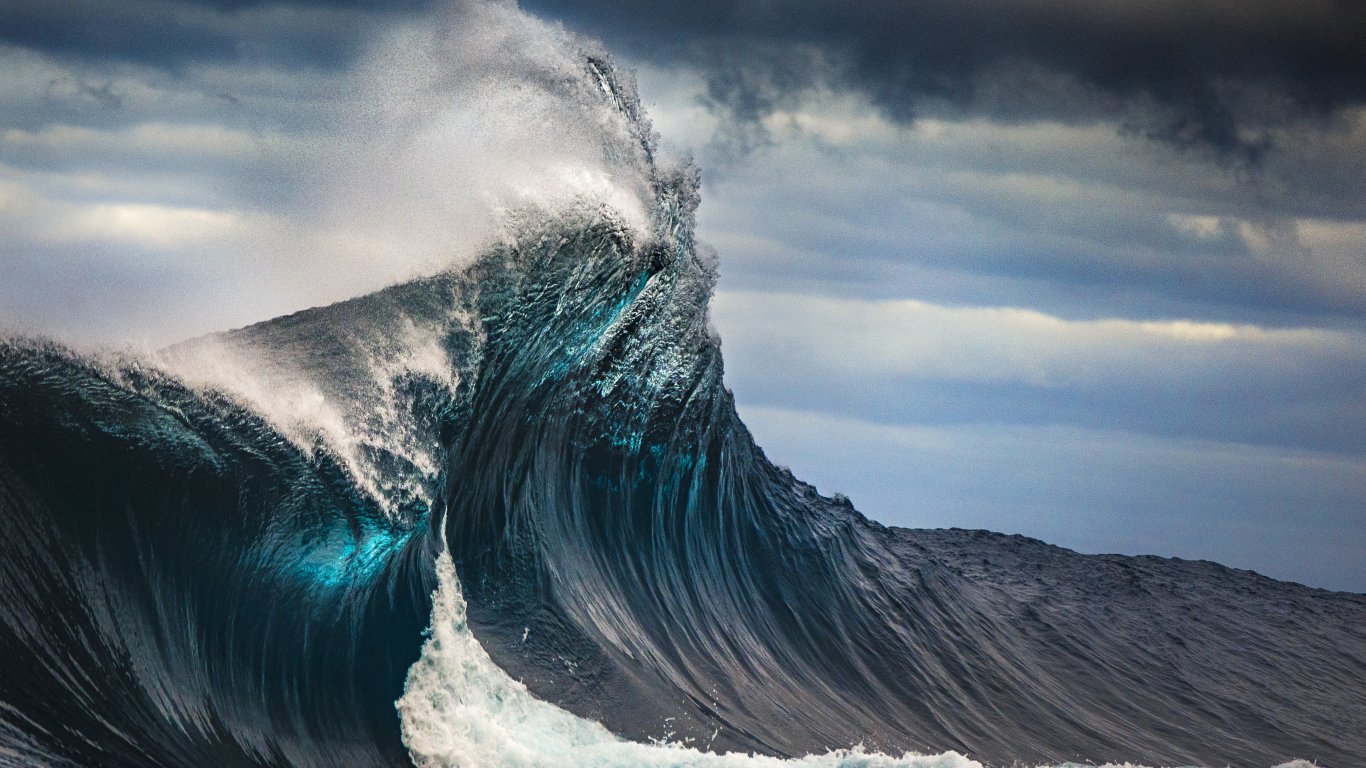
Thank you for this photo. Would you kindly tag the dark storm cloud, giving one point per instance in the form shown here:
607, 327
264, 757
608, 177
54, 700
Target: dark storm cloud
1212, 73
1071, 221
169, 34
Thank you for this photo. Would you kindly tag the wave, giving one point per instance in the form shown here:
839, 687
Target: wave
516, 499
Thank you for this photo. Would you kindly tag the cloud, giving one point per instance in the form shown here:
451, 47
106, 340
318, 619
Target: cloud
251, 189
912, 362
1212, 74
172, 34
1287, 513
1069, 219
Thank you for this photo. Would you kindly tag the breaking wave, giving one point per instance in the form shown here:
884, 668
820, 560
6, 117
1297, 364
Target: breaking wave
516, 499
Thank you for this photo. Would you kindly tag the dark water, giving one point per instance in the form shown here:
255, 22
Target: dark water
226, 555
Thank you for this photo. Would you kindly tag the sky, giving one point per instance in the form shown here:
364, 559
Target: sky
1090, 272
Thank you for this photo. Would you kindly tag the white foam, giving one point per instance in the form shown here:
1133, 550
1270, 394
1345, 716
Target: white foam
290, 399
460, 710
458, 122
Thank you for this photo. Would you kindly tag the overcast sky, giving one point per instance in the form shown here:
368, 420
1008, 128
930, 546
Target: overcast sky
1093, 272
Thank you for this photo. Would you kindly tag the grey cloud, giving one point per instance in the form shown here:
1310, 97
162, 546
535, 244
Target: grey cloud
952, 366
283, 181
1285, 513
41, 95
86, 293
173, 33
1210, 74
1065, 219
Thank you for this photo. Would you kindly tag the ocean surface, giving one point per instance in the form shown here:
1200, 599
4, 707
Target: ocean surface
507, 515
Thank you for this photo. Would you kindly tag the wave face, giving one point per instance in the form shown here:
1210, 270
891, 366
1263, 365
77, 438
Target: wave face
184, 586
517, 500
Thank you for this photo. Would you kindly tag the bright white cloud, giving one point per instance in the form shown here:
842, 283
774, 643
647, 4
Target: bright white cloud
1201, 227
910, 339
138, 143
153, 225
